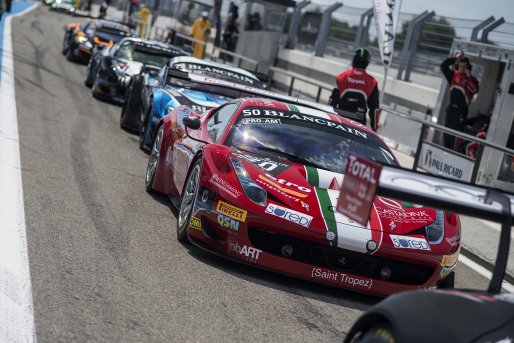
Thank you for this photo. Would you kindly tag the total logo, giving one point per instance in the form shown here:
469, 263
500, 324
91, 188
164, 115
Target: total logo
407, 242
248, 253
289, 214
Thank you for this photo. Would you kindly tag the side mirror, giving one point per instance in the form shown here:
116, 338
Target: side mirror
192, 123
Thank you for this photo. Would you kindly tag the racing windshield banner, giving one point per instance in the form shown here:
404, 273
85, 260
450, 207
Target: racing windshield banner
386, 19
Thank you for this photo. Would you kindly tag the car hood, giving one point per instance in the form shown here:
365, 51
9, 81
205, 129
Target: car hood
200, 102
314, 192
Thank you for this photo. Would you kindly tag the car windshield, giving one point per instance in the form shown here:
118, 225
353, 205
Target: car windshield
152, 56
305, 138
208, 88
107, 34
218, 73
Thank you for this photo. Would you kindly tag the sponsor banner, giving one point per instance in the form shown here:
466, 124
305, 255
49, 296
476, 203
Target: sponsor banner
228, 223
223, 184
195, 223
244, 252
358, 189
231, 211
320, 118
386, 19
289, 214
409, 242
442, 162
450, 260
350, 281
247, 121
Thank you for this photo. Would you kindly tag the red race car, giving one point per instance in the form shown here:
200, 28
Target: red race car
257, 180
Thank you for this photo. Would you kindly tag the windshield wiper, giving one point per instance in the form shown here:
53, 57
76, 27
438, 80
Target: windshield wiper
290, 156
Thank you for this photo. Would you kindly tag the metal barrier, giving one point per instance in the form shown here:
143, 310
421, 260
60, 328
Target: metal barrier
293, 78
216, 54
426, 125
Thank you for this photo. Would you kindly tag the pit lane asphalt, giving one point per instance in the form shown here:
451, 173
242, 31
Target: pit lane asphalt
104, 262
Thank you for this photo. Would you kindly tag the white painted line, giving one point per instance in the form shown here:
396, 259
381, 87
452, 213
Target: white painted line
16, 309
495, 226
484, 272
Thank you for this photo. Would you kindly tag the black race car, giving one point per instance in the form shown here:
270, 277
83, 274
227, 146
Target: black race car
80, 40
457, 316
110, 69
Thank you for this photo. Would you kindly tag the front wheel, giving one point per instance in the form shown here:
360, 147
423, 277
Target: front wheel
188, 201
153, 160
145, 127
90, 76
130, 112
65, 43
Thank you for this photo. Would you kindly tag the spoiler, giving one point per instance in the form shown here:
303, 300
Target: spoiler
207, 80
365, 179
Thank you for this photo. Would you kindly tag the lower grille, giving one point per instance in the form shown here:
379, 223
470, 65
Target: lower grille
340, 259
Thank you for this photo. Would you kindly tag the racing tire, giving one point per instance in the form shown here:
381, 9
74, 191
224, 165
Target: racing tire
188, 200
143, 130
90, 76
93, 87
65, 44
379, 333
69, 55
448, 282
153, 160
131, 109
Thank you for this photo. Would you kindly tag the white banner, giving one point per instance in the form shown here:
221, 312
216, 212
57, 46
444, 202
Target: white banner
386, 19
441, 162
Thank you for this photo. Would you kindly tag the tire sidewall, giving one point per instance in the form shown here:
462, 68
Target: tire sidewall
182, 230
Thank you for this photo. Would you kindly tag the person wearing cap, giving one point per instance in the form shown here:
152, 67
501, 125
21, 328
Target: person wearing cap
200, 30
356, 91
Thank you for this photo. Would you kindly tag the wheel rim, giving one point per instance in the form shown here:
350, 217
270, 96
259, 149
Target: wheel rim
189, 196
154, 157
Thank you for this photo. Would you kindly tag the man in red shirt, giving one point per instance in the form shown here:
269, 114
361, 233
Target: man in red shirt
463, 86
356, 91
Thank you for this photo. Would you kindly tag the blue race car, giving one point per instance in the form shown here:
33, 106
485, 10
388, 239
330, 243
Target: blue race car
150, 95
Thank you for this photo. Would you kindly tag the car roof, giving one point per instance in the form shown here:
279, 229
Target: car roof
187, 59
110, 24
153, 44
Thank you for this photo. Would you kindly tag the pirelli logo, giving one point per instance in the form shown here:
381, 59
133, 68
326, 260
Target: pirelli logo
195, 223
231, 211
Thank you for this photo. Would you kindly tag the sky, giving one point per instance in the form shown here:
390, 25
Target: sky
466, 9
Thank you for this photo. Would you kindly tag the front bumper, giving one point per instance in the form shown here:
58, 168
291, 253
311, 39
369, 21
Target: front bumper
259, 242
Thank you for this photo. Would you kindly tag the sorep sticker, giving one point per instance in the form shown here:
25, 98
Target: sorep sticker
289, 214
407, 242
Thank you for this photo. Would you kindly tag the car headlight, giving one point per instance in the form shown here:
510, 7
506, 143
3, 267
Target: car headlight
435, 231
88, 44
81, 39
253, 191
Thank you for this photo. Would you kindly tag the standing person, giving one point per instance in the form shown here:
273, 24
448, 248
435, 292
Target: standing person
200, 30
463, 86
144, 15
356, 91
230, 35
185, 16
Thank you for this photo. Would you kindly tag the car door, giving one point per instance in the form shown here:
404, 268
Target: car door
185, 148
